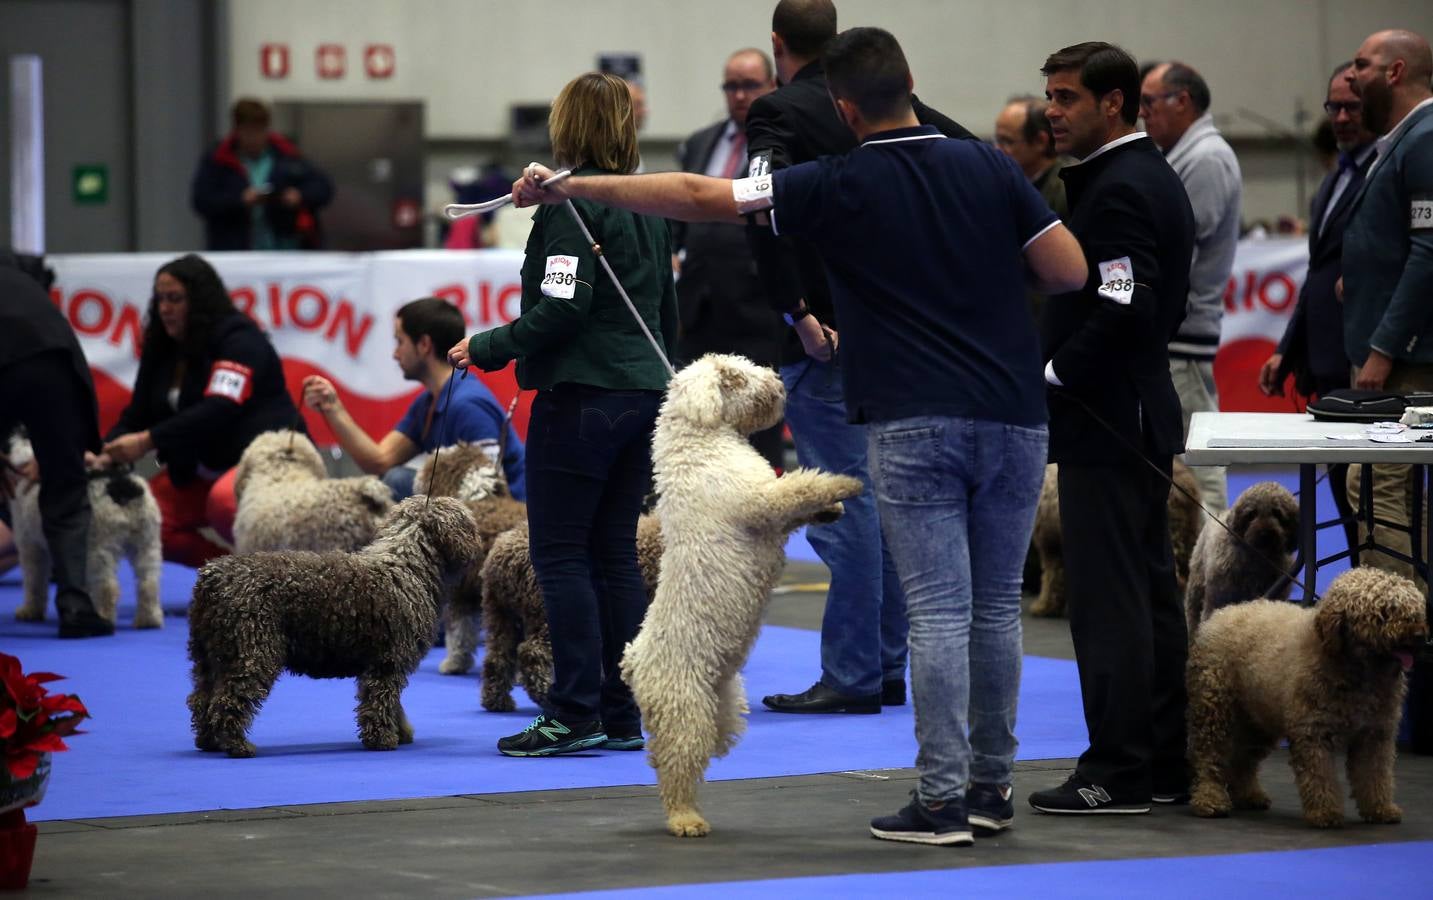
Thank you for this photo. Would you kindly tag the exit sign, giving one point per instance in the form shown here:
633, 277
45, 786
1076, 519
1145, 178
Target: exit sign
90, 185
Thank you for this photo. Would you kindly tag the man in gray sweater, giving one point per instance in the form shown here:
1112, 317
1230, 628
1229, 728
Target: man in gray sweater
1174, 101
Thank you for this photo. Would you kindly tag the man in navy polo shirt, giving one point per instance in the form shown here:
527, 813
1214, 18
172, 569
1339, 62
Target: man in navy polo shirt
929, 244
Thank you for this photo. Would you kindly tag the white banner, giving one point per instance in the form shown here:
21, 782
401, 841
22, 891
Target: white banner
1260, 297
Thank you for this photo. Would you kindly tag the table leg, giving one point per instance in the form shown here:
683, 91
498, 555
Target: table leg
1308, 527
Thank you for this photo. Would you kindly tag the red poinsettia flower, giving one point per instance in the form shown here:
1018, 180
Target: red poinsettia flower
32, 720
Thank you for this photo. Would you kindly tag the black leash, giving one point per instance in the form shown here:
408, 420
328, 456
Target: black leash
440, 412
1309, 596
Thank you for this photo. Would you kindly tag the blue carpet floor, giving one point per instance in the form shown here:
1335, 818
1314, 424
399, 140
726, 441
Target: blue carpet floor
1377, 870
138, 756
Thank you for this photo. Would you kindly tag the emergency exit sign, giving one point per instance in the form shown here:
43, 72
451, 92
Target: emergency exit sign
90, 185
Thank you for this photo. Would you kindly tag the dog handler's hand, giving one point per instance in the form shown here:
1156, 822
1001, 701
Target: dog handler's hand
320, 394
528, 190
458, 356
814, 340
129, 447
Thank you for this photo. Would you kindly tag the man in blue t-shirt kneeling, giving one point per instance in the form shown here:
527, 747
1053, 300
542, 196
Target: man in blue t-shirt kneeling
422, 330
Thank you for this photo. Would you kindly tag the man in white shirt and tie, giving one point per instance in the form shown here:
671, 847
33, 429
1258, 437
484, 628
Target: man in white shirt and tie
723, 307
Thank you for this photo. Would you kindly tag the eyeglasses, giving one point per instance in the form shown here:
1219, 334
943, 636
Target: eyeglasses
742, 87
1353, 108
1147, 101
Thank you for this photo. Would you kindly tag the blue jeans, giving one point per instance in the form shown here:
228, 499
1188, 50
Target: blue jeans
588, 467
957, 499
399, 480
863, 633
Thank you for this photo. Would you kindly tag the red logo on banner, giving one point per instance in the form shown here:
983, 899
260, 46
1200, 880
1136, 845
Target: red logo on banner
274, 60
378, 60
329, 60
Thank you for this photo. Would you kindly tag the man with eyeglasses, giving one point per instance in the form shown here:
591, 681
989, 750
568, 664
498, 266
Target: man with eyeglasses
722, 305
1388, 254
1174, 101
1312, 346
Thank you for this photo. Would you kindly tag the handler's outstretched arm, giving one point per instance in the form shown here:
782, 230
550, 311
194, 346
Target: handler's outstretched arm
671, 195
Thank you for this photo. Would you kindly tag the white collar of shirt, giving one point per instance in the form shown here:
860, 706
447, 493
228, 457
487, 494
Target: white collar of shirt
1129, 138
910, 137
722, 150
1197, 131
1396, 132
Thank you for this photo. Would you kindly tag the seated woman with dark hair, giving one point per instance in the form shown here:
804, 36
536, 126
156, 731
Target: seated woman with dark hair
209, 382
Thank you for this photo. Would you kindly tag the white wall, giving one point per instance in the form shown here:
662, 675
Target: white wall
468, 60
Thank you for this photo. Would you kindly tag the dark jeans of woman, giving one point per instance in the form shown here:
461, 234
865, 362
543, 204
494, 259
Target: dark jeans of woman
588, 462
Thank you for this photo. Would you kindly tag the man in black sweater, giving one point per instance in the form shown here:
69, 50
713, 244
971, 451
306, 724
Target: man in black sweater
863, 631
48, 389
1114, 428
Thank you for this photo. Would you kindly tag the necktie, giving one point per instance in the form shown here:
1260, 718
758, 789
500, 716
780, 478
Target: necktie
737, 160
1345, 162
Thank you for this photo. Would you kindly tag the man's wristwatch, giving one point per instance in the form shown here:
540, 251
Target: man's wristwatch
793, 318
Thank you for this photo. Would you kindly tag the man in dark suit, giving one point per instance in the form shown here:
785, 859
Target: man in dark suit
48, 389
863, 631
1115, 426
722, 305
1311, 349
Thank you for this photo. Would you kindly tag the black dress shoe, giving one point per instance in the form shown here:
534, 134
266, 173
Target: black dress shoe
821, 699
84, 624
893, 693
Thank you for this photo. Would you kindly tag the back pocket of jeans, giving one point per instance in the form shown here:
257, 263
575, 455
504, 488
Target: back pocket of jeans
909, 464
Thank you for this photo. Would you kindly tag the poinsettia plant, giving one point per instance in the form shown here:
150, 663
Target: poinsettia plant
33, 720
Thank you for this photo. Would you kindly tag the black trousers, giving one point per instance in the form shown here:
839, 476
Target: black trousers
44, 394
1127, 624
588, 465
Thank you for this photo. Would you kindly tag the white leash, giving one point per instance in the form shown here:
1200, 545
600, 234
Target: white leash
459, 210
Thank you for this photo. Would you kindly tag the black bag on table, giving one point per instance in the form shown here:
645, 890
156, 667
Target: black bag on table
1353, 405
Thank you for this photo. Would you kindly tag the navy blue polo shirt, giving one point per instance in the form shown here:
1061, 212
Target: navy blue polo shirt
922, 237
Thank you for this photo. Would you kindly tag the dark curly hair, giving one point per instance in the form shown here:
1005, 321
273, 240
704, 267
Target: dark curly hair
208, 303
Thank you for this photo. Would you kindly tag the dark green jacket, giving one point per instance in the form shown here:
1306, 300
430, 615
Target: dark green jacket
589, 337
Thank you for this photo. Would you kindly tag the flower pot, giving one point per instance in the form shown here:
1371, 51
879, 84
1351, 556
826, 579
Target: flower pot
24, 792
17, 850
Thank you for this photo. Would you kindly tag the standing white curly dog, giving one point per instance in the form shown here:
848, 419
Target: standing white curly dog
725, 517
124, 524
288, 502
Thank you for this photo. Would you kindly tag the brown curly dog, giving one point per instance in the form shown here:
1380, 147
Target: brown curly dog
1329, 679
1224, 570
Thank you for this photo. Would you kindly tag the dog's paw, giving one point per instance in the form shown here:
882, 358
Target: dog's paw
207, 744
1255, 800
242, 750
386, 742
1046, 608
829, 514
29, 614
688, 824
1324, 818
1391, 814
496, 702
1210, 802
455, 665
149, 619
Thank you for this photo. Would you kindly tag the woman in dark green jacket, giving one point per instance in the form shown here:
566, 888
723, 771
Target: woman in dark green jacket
599, 384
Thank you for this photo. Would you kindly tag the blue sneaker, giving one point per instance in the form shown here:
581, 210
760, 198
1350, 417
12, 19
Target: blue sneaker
942, 824
624, 737
990, 807
548, 737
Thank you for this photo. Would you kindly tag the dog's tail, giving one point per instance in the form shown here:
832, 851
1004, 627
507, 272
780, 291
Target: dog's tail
121, 486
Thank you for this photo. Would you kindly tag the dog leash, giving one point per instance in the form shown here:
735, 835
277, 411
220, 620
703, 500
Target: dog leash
1309, 596
459, 210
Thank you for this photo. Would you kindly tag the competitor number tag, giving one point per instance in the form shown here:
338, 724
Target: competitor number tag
1117, 280
752, 194
230, 379
1421, 214
560, 279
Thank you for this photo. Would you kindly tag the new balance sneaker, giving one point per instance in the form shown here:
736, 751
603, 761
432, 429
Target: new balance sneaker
1080, 797
942, 824
989, 807
624, 737
547, 736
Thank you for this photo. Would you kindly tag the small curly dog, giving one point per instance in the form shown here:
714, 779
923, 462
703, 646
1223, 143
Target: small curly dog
517, 647
470, 473
124, 524
368, 615
1223, 570
1329, 679
288, 502
1186, 521
724, 517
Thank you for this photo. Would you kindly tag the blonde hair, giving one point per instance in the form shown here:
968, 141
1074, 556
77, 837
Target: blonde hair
592, 123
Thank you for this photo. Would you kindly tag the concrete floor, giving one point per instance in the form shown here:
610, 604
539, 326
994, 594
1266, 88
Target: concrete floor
499, 845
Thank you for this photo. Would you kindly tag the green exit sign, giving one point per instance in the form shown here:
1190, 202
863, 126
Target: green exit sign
90, 185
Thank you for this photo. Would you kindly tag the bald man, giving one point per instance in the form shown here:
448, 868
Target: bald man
1388, 254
